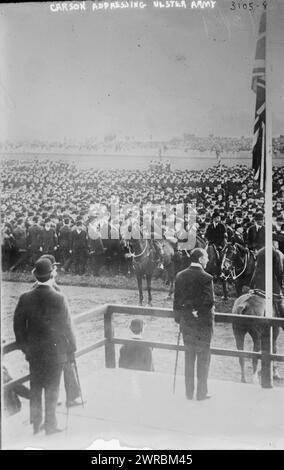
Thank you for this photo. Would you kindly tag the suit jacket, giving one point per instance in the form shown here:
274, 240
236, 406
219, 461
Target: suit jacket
20, 238
136, 356
42, 326
48, 239
79, 241
194, 291
34, 237
256, 239
65, 237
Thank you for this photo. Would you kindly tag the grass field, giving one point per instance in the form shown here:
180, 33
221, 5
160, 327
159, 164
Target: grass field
87, 295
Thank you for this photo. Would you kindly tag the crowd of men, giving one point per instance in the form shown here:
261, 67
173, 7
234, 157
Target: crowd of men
45, 205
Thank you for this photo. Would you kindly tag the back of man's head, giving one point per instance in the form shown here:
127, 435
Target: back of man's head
43, 269
136, 326
196, 254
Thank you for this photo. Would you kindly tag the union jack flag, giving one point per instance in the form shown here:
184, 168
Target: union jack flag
258, 86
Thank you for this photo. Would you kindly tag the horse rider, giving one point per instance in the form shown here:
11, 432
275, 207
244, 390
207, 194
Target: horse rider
238, 236
216, 233
256, 233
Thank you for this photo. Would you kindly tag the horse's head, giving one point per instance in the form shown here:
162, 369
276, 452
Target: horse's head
228, 257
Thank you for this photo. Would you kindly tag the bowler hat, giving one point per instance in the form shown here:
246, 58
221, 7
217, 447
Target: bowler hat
51, 259
42, 270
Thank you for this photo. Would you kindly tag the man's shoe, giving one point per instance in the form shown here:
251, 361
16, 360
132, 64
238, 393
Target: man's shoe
38, 428
189, 397
69, 404
206, 397
48, 432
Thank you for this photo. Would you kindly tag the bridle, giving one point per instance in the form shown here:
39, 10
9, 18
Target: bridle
232, 269
139, 254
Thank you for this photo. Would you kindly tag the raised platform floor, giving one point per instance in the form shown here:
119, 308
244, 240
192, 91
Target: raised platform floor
140, 411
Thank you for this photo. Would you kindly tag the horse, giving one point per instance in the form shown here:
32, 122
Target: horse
253, 303
214, 266
111, 248
238, 265
170, 260
174, 260
142, 254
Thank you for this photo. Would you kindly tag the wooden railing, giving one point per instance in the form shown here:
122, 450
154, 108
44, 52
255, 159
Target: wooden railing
109, 310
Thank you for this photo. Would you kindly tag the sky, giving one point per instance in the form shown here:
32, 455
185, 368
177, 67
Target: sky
147, 73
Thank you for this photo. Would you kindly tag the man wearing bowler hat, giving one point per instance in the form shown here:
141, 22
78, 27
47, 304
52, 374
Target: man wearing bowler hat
43, 331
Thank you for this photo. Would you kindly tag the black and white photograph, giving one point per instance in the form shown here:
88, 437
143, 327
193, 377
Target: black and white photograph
142, 225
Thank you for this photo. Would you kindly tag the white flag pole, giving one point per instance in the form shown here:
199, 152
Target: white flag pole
268, 183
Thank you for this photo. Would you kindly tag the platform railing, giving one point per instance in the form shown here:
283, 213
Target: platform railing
109, 341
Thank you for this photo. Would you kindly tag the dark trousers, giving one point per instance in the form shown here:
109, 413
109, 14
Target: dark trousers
70, 382
22, 257
96, 262
201, 357
44, 376
65, 258
34, 255
80, 260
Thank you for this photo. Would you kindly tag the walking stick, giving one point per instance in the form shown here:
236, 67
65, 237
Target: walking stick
176, 363
67, 418
78, 381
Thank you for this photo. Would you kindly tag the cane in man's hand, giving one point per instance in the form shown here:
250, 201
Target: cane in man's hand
78, 381
176, 363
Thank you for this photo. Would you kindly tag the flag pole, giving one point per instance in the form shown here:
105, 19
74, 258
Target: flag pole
268, 179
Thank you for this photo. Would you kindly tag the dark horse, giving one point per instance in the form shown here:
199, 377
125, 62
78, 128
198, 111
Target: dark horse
238, 264
174, 261
253, 303
214, 267
142, 254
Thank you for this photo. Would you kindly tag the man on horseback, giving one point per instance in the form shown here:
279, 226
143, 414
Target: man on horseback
216, 233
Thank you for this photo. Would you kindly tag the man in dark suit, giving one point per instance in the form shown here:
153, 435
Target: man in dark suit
65, 245
34, 240
70, 381
20, 237
43, 331
49, 238
193, 309
256, 233
136, 356
79, 248
216, 231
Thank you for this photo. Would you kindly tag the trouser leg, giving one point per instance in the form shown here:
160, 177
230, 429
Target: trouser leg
36, 395
189, 362
51, 396
203, 361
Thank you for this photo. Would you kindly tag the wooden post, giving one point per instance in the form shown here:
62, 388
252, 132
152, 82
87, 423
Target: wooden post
266, 362
109, 345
